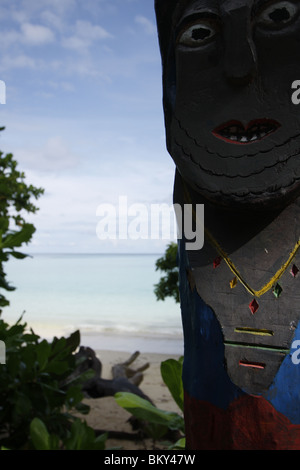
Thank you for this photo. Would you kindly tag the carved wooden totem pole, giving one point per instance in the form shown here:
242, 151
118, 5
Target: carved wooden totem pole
234, 134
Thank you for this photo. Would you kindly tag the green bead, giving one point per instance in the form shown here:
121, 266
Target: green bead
277, 290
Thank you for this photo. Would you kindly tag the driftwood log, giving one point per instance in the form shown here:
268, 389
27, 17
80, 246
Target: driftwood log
124, 377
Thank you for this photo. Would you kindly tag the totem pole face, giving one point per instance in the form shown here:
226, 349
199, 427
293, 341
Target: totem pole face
232, 128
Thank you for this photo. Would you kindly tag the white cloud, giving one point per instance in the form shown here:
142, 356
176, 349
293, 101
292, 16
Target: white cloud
33, 34
61, 85
19, 61
68, 209
53, 20
147, 25
8, 38
75, 43
54, 156
85, 35
26, 9
91, 32
29, 35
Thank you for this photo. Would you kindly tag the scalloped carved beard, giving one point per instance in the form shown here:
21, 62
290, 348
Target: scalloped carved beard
267, 179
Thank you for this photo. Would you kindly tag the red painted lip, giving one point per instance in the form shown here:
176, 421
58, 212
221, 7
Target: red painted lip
234, 132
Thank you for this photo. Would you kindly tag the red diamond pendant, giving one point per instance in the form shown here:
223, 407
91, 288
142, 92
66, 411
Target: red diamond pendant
217, 261
294, 270
253, 306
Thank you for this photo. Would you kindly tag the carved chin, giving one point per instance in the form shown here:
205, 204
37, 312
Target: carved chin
236, 194
276, 198
267, 180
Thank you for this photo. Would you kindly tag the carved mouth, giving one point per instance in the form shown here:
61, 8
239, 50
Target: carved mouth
234, 132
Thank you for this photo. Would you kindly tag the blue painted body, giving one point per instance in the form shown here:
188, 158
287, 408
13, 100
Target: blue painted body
204, 375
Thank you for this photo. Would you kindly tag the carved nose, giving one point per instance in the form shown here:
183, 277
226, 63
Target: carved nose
240, 63
240, 53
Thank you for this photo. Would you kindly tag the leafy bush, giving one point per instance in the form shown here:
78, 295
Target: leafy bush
15, 199
80, 437
35, 385
168, 285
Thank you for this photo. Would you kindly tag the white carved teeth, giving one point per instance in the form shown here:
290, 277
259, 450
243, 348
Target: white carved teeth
256, 132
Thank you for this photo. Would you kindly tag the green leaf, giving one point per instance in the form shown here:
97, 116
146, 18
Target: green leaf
18, 238
22, 406
57, 367
4, 223
144, 410
100, 441
171, 372
54, 442
39, 435
58, 346
179, 445
74, 396
4, 284
18, 255
73, 341
82, 436
43, 350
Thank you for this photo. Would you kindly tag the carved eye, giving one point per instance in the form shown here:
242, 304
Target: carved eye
278, 15
197, 34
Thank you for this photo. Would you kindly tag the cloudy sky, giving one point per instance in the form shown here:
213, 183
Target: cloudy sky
83, 115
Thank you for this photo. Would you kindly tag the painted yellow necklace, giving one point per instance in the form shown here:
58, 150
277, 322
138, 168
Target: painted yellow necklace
273, 282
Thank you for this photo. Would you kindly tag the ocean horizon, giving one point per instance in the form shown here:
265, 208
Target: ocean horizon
109, 298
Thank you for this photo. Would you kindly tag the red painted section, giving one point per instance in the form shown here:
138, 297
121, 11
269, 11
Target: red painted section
250, 423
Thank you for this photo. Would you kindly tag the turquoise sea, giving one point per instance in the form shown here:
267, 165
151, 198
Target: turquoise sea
109, 298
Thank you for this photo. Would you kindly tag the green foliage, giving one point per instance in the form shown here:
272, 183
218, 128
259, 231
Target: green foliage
171, 372
157, 422
168, 285
79, 437
15, 199
40, 437
35, 384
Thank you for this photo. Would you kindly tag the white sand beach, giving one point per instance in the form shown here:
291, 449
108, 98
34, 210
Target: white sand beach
107, 415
